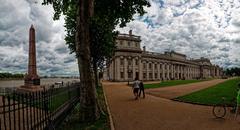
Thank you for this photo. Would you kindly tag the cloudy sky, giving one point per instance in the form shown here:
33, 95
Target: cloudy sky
197, 28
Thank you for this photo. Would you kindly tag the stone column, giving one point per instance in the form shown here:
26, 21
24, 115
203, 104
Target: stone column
118, 78
147, 73
125, 69
111, 71
177, 66
188, 72
168, 70
181, 71
140, 69
153, 71
134, 67
158, 71
163, 71
115, 69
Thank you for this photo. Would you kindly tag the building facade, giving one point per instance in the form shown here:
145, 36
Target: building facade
130, 61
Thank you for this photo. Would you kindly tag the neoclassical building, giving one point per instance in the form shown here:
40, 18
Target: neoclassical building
130, 61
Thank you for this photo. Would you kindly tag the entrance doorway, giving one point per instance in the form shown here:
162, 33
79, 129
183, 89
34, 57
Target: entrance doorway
137, 75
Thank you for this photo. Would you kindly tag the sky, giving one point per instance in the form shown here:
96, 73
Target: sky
197, 28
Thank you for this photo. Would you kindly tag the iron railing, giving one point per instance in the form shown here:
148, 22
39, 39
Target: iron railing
41, 110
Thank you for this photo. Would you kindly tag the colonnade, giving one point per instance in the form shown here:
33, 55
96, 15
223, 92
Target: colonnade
126, 68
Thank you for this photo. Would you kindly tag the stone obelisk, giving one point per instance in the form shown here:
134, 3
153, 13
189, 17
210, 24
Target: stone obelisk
32, 80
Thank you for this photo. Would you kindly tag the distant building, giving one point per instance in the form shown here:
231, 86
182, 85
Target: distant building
129, 61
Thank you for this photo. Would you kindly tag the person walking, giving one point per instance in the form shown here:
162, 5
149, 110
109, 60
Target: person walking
141, 90
136, 86
238, 101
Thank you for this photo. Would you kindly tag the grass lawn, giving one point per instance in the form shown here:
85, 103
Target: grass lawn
171, 83
213, 95
100, 124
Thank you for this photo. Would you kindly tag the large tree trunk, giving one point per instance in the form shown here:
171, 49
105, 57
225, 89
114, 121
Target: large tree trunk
88, 98
95, 69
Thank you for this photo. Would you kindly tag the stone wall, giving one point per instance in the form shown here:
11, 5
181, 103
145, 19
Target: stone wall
130, 62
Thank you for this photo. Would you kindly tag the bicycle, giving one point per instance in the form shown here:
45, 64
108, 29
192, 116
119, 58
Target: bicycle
219, 110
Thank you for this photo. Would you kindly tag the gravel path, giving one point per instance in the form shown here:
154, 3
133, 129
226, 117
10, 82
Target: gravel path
180, 90
156, 113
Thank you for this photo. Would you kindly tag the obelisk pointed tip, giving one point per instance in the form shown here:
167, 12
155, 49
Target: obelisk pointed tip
32, 26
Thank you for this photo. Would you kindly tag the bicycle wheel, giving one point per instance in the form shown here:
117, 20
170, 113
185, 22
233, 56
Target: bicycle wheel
219, 111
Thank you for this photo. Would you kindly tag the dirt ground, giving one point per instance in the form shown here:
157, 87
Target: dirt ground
156, 113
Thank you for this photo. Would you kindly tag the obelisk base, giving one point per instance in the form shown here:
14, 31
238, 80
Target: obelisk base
35, 88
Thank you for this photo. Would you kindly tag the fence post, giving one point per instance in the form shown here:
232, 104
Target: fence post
4, 112
14, 109
18, 107
9, 111
68, 91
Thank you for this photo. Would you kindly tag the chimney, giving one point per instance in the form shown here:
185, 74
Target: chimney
130, 32
144, 48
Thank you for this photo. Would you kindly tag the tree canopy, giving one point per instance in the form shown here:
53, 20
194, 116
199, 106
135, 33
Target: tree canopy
10, 75
90, 28
232, 71
107, 15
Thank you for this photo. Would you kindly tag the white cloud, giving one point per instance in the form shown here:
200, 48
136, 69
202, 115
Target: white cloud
197, 28
208, 28
52, 53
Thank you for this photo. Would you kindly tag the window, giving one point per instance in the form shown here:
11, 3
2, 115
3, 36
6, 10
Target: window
128, 43
129, 62
150, 75
136, 62
156, 75
121, 42
160, 66
155, 66
136, 44
160, 75
144, 75
150, 66
122, 75
121, 61
144, 66
129, 75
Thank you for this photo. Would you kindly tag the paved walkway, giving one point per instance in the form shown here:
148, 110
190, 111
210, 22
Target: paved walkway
180, 90
156, 113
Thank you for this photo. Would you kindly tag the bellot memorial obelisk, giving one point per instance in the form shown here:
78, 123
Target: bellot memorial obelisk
31, 80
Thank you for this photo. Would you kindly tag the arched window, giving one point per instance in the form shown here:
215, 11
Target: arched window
121, 61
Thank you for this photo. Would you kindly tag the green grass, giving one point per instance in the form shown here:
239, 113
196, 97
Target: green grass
213, 95
75, 124
100, 124
59, 97
171, 83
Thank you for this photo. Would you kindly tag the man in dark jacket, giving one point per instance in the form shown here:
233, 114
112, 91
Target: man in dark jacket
141, 88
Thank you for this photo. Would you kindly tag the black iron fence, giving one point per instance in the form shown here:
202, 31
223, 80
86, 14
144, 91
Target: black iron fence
41, 110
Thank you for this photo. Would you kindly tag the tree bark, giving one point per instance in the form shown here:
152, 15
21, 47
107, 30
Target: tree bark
95, 69
88, 98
